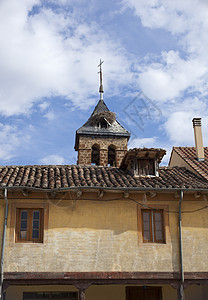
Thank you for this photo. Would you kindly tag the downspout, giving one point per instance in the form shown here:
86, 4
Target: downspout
181, 291
3, 244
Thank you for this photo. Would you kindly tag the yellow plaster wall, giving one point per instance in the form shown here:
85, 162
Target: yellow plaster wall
87, 236
176, 160
104, 292
107, 292
195, 237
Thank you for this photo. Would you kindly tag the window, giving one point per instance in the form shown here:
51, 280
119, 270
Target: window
29, 225
146, 167
95, 155
50, 295
153, 226
111, 156
103, 123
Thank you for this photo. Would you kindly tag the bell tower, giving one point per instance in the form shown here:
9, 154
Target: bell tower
101, 140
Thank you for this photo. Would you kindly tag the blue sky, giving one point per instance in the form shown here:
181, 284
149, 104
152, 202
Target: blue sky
155, 73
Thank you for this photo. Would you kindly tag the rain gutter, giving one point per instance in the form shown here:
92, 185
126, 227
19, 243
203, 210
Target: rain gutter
181, 290
3, 244
126, 189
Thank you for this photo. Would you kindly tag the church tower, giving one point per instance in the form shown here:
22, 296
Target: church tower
101, 140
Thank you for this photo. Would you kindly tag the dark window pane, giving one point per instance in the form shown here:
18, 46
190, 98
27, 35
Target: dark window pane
158, 226
146, 235
159, 235
146, 225
158, 216
23, 214
23, 225
35, 234
36, 215
35, 224
146, 216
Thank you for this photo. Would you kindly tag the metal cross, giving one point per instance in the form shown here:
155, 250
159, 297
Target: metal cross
101, 78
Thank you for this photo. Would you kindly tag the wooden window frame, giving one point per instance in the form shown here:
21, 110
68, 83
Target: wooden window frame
152, 225
13, 221
30, 228
166, 227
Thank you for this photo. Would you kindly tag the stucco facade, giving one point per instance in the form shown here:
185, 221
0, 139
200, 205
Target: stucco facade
115, 226
90, 234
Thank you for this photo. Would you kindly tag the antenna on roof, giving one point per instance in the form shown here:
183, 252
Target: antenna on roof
101, 91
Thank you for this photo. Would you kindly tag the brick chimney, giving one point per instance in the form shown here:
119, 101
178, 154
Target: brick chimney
198, 139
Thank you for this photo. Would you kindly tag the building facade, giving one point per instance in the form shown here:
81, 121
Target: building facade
114, 226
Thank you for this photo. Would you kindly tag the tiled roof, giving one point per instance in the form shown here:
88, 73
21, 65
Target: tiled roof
188, 154
72, 176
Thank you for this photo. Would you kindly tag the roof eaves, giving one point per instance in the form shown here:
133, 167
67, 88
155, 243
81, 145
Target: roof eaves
136, 189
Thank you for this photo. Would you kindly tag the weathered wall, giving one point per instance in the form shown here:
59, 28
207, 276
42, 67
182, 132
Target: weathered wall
195, 237
87, 235
86, 143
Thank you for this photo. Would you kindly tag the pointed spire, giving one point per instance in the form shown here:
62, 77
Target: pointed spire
101, 91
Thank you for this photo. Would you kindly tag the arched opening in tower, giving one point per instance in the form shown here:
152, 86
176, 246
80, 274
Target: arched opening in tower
111, 156
95, 155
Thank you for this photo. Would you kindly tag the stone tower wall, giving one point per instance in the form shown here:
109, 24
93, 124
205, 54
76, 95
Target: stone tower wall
86, 143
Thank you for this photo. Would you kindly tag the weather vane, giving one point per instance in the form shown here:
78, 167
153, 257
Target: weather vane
101, 91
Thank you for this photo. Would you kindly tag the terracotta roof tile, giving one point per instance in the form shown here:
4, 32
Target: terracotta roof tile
188, 154
66, 176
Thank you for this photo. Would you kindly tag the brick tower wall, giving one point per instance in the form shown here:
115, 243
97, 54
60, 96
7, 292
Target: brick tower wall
86, 143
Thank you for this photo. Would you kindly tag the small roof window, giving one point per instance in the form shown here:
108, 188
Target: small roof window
145, 167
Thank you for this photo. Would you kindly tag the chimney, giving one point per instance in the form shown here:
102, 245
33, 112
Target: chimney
198, 139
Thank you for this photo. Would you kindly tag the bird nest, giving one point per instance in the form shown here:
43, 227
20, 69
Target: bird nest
108, 115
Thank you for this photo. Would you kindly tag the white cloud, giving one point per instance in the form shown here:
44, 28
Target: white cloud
142, 142
50, 115
178, 74
179, 128
172, 73
179, 124
171, 77
175, 16
52, 53
44, 105
10, 141
152, 142
53, 159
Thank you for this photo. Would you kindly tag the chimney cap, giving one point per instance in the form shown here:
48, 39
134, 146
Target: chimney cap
196, 122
